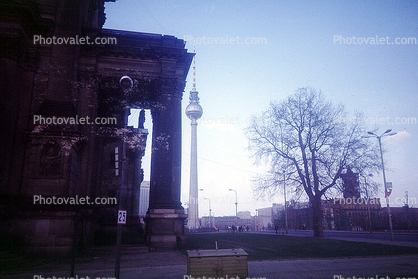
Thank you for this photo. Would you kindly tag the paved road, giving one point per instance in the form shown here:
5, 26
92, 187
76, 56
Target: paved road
410, 237
138, 262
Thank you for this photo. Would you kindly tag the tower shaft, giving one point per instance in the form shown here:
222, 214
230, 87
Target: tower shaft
193, 196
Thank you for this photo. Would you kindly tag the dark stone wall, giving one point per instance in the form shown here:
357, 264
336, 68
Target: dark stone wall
62, 80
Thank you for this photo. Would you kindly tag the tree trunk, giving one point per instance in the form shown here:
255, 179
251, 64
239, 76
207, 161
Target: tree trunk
317, 217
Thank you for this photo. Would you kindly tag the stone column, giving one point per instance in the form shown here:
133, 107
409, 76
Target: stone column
165, 217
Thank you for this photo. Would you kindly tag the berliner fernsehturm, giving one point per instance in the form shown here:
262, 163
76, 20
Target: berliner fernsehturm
193, 111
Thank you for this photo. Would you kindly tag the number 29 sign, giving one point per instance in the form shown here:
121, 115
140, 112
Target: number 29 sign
122, 217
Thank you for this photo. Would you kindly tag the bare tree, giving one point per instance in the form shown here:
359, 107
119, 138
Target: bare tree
311, 141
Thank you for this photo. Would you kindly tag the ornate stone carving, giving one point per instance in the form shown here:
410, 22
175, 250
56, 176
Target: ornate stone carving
50, 162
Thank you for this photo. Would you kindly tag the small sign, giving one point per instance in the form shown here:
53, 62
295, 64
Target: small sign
388, 193
116, 161
122, 217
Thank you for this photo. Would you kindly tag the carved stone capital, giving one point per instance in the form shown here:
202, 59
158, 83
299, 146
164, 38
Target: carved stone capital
86, 80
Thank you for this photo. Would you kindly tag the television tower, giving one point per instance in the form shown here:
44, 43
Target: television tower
193, 111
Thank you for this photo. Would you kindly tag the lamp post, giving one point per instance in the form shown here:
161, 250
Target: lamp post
386, 133
256, 219
210, 213
197, 217
285, 203
236, 206
368, 205
407, 210
126, 84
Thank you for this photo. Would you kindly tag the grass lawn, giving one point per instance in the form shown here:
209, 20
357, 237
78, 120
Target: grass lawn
273, 247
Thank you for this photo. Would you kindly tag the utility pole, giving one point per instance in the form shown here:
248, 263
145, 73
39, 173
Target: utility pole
407, 210
126, 84
285, 202
368, 205
236, 206
210, 213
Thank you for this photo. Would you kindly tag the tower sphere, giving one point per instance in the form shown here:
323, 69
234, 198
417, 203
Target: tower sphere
194, 110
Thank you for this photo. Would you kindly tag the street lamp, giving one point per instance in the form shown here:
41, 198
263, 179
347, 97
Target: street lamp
236, 206
285, 203
386, 133
126, 84
407, 210
197, 217
256, 219
368, 204
210, 213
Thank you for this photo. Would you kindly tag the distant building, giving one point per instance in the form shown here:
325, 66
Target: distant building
265, 217
344, 214
144, 198
244, 214
225, 222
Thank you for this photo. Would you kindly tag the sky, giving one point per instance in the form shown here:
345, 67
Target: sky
249, 53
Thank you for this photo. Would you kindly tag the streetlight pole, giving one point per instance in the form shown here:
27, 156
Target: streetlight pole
407, 210
256, 219
126, 84
368, 205
285, 203
210, 213
236, 206
197, 217
386, 133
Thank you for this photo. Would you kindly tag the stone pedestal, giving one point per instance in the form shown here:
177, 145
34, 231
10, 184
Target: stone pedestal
165, 228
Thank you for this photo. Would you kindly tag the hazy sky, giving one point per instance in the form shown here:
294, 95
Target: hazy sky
356, 52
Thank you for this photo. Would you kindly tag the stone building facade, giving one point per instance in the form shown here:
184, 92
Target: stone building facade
63, 77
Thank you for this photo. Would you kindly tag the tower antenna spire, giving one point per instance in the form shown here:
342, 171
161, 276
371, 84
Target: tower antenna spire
194, 65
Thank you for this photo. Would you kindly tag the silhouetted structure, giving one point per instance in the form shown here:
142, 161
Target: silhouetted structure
351, 184
63, 80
